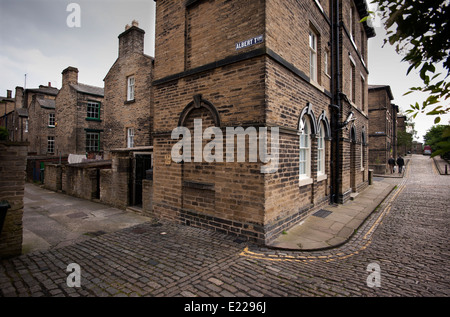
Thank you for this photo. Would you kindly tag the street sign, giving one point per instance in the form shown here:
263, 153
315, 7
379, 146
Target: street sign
249, 42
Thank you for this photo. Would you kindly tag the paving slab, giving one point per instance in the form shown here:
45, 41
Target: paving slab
53, 220
317, 233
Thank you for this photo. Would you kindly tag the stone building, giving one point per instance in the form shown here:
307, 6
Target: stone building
15, 115
78, 117
402, 125
18, 120
128, 115
42, 120
383, 128
284, 66
7, 106
417, 147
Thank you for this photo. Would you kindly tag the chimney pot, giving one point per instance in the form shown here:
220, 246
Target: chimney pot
8, 93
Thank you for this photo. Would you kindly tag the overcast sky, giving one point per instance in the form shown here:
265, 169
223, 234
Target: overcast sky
36, 40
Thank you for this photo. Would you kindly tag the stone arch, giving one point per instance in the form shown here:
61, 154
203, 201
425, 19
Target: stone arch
308, 110
198, 103
323, 118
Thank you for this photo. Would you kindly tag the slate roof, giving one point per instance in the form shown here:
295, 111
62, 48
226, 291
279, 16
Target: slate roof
46, 103
87, 89
45, 90
22, 112
6, 99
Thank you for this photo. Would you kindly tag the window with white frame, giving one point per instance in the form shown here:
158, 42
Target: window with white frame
130, 88
93, 110
51, 119
326, 62
305, 150
362, 156
363, 150
351, 22
321, 151
363, 94
92, 141
130, 137
352, 79
313, 55
51, 144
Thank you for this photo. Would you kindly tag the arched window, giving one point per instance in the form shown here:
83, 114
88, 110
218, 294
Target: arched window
363, 149
305, 149
321, 150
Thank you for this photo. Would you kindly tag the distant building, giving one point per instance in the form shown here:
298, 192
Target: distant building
78, 117
41, 126
15, 115
382, 127
7, 106
18, 119
417, 147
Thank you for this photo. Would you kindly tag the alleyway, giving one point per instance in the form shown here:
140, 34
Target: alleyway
407, 237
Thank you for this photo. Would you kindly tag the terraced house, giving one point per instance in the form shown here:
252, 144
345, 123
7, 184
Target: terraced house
300, 66
78, 117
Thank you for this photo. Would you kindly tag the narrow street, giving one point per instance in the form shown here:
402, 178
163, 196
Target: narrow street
406, 239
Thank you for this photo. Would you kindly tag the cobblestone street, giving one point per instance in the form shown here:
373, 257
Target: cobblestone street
407, 236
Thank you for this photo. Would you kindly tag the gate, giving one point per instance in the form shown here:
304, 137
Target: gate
141, 163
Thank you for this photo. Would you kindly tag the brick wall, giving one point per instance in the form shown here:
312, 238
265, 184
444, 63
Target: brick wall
66, 113
114, 182
354, 84
83, 180
39, 129
267, 84
288, 24
12, 169
383, 116
53, 177
147, 197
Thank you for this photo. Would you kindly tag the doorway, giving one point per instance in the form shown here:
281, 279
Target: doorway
141, 163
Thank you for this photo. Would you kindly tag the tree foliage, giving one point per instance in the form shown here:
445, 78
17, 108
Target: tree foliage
404, 139
3, 134
438, 137
420, 31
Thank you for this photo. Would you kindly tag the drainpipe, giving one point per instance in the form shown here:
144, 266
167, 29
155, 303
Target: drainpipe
332, 119
336, 101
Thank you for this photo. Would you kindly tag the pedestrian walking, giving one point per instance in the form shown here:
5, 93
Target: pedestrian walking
400, 163
391, 163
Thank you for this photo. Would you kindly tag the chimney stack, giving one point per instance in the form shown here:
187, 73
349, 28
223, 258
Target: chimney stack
8, 94
70, 76
19, 97
131, 40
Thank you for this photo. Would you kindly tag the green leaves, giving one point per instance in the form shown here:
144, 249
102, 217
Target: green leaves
438, 137
420, 30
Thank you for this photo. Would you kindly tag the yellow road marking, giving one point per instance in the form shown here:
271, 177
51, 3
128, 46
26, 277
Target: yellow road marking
329, 258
